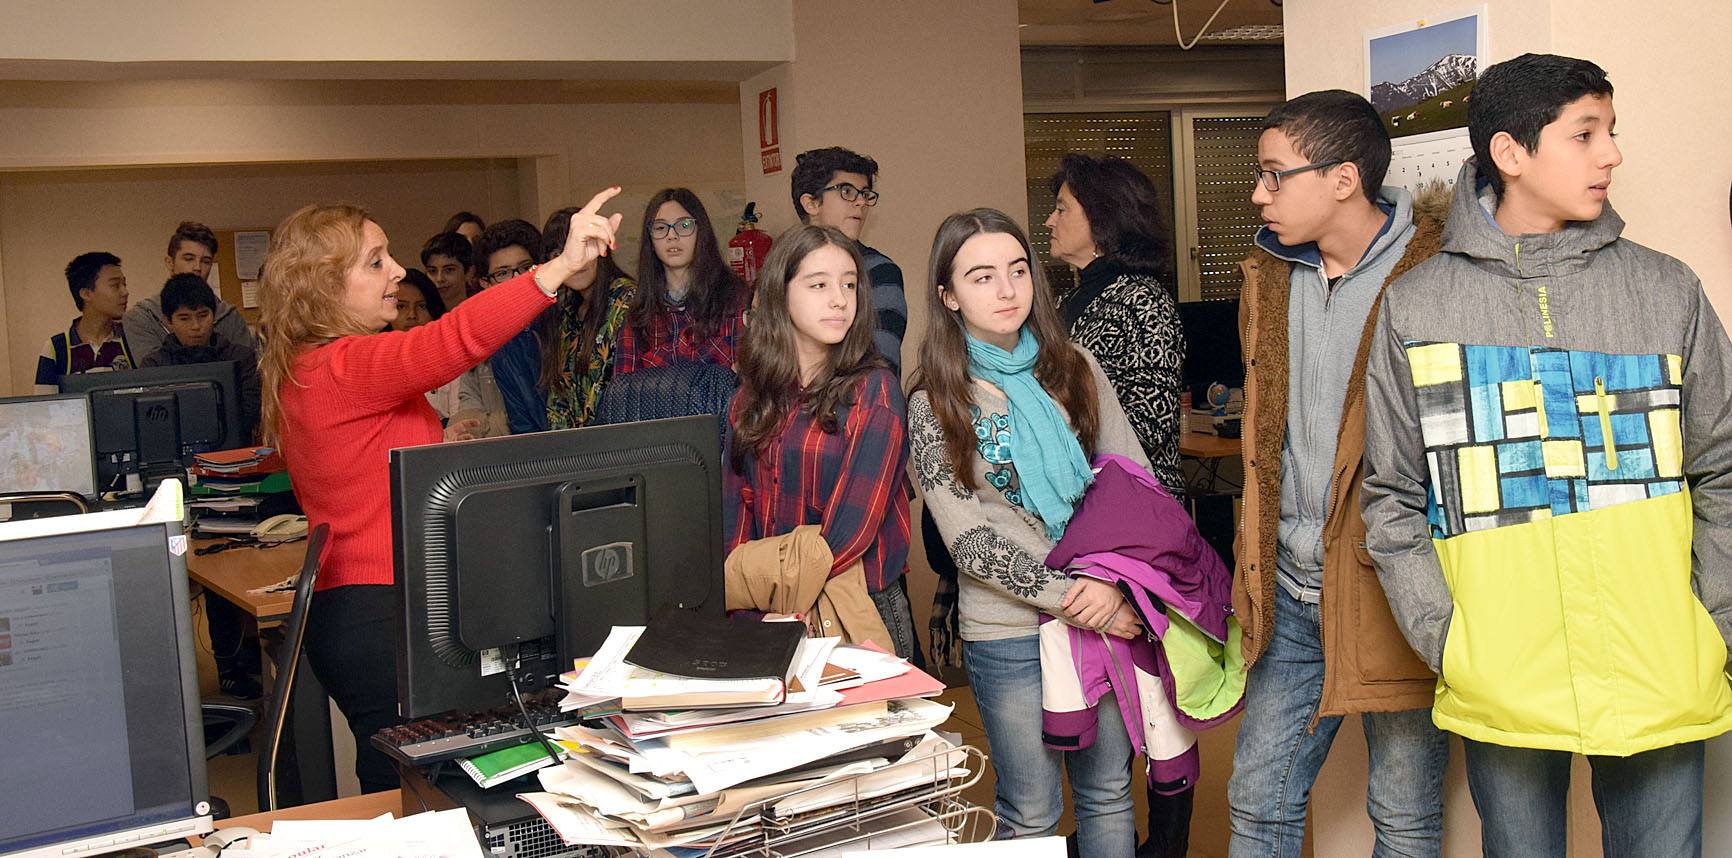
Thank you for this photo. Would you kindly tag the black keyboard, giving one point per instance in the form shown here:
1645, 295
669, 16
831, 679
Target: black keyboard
460, 736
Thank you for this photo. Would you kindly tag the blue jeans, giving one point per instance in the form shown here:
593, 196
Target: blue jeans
1005, 676
1650, 804
1277, 758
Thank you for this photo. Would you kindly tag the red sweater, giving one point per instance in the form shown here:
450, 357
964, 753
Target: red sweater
354, 400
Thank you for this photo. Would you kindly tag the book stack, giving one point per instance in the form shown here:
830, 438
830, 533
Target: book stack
234, 490
722, 727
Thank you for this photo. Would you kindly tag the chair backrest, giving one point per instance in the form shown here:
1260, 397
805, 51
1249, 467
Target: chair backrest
23, 505
288, 661
681, 390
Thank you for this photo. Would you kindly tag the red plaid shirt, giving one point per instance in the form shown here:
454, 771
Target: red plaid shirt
854, 484
670, 340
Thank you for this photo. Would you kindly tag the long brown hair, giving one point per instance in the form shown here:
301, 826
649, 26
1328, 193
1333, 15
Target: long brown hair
301, 295
769, 363
714, 292
943, 372
591, 302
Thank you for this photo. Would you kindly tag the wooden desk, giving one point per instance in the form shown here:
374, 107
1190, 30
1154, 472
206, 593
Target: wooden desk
354, 807
232, 573
1201, 445
1210, 451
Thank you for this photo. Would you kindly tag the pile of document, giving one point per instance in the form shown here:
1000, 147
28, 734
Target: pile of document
439, 834
852, 727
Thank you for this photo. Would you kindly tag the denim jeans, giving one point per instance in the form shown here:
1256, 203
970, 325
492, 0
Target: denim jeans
1650, 804
898, 616
1005, 676
1277, 759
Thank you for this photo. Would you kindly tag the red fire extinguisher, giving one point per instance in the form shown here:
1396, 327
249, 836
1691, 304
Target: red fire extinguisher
749, 246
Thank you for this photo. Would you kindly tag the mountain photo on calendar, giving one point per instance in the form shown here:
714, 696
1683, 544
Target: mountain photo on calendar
1420, 78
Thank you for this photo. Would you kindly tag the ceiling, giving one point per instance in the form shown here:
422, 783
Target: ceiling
1141, 22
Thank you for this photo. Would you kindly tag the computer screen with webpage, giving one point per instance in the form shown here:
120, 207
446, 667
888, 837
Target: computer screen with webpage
45, 445
94, 717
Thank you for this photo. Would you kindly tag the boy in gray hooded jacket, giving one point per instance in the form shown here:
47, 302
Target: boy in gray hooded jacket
1549, 481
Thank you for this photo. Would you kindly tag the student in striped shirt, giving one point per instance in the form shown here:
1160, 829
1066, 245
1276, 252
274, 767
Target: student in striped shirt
95, 341
818, 423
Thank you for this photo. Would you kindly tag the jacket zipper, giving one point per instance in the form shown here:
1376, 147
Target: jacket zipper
1606, 439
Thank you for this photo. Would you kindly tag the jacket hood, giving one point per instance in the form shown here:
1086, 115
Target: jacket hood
1471, 231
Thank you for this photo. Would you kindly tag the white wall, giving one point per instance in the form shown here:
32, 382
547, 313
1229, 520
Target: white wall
936, 99
205, 31
572, 147
1672, 192
46, 218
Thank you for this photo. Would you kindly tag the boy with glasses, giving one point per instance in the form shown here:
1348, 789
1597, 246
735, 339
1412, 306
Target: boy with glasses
833, 187
1549, 481
1318, 636
505, 250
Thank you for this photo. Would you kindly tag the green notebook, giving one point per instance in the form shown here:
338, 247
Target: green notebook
494, 768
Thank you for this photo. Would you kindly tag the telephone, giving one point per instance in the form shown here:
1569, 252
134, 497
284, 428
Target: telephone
281, 528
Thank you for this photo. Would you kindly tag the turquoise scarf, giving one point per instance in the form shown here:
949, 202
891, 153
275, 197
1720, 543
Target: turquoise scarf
1049, 462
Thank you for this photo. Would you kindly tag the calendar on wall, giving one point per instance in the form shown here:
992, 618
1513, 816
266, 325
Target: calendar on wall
1413, 164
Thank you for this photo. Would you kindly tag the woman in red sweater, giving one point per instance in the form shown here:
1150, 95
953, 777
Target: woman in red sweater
338, 397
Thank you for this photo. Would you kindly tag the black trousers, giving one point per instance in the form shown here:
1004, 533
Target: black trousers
234, 652
349, 644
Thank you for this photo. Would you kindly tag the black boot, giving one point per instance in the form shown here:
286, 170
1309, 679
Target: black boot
1169, 826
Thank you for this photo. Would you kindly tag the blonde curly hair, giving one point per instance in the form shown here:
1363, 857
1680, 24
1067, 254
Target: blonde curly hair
301, 293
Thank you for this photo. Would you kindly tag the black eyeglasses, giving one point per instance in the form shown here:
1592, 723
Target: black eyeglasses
850, 193
500, 275
683, 227
1271, 179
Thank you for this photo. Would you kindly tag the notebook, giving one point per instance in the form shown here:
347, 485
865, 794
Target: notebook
690, 645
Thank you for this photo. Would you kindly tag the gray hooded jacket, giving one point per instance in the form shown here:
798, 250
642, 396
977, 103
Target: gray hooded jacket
1498, 367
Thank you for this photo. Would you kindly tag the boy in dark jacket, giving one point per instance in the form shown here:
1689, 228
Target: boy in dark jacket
189, 306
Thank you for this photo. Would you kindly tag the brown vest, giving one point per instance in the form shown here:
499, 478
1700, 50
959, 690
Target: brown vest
1367, 664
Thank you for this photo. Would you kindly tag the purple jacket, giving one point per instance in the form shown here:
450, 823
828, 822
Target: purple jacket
1127, 530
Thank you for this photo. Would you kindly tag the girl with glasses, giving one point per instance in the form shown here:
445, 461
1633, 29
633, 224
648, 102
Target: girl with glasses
688, 304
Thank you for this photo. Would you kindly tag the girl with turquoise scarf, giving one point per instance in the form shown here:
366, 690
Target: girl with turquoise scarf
1005, 416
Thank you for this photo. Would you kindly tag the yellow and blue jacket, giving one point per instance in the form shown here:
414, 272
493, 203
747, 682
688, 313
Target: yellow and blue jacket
1548, 493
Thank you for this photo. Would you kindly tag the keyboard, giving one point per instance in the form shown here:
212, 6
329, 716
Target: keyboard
459, 736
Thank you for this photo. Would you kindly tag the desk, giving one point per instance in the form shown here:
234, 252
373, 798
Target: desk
232, 573
1201, 445
354, 807
306, 772
1210, 451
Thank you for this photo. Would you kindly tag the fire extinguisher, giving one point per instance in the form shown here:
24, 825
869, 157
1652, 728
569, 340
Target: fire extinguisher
749, 246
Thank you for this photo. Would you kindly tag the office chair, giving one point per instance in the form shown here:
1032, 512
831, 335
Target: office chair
669, 391
287, 663
27, 505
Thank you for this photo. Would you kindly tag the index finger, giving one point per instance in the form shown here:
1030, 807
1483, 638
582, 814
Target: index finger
595, 202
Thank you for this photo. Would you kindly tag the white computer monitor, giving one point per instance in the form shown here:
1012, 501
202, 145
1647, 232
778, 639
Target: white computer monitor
99, 709
45, 445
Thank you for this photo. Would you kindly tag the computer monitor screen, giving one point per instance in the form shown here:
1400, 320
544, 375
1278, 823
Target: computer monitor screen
45, 445
98, 692
152, 421
1211, 346
540, 544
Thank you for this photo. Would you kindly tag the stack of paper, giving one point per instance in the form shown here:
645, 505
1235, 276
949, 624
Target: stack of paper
441, 834
702, 778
